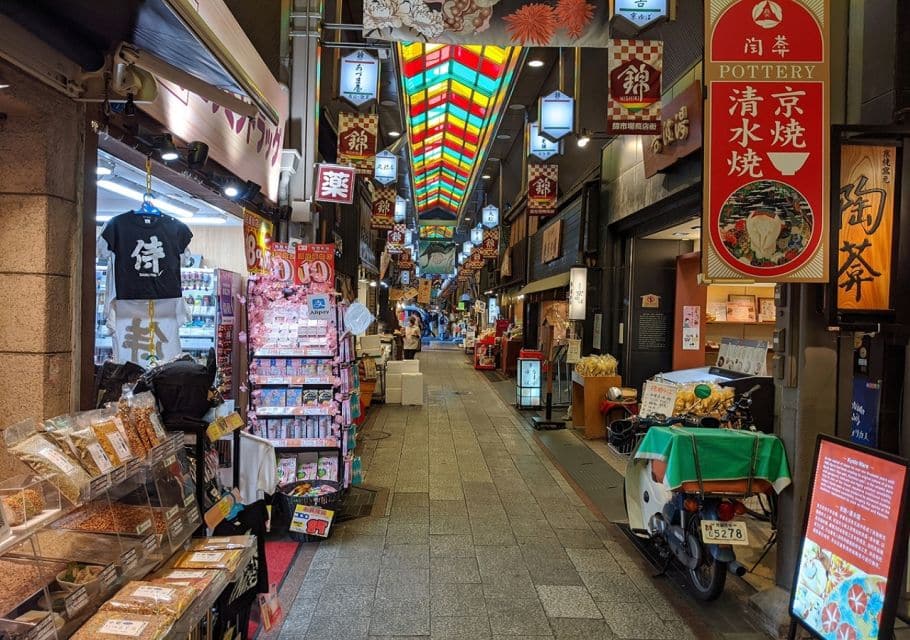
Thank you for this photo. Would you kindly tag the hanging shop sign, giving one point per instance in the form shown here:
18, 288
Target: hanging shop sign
578, 293
539, 146
641, 13
489, 216
257, 236
474, 261
335, 183
405, 261
551, 242
357, 135
489, 246
383, 209
543, 185
502, 23
436, 257
385, 169
401, 209
680, 131
394, 243
847, 582
358, 77
423, 291
315, 265
766, 171
556, 116
635, 70
467, 247
864, 411
865, 240
281, 261
477, 235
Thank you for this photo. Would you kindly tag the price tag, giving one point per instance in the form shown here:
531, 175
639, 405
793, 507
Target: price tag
119, 474
108, 577
219, 511
194, 516
175, 528
159, 451
75, 602
44, 630
189, 499
99, 485
312, 520
150, 544
134, 466
170, 460
128, 560
143, 526
170, 513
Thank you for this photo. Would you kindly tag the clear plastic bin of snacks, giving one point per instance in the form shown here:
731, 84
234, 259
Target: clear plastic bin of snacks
28, 502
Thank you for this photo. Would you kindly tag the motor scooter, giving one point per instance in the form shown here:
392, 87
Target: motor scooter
698, 522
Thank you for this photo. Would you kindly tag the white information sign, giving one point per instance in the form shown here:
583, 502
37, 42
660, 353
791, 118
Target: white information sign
557, 115
359, 77
657, 398
385, 168
641, 13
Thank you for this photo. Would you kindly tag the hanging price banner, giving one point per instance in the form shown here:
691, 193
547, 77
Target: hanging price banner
281, 261
257, 236
315, 265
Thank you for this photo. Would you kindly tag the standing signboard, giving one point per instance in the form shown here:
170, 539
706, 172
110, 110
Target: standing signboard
257, 236
865, 238
766, 132
854, 544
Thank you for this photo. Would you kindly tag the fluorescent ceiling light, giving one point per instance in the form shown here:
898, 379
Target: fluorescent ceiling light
486, 176
535, 63
207, 221
133, 192
503, 136
516, 107
395, 134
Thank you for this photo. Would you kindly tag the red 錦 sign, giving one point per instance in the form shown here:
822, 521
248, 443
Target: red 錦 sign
315, 266
383, 209
357, 134
854, 543
489, 248
394, 243
543, 188
635, 69
335, 183
766, 136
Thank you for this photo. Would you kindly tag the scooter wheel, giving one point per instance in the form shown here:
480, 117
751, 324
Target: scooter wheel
709, 577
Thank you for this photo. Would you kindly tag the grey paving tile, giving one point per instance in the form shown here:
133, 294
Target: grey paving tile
454, 570
549, 564
452, 546
450, 525
498, 537
611, 587
517, 617
333, 627
635, 620
403, 583
399, 533
410, 500
360, 545
344, 599
593, 560
409, 515
579, 539
580, 629
453, 599
354, 573
406, 556
400, 617
567, 602
459, 628
368, 526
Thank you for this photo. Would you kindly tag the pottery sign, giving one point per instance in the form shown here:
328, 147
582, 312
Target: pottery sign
766, 168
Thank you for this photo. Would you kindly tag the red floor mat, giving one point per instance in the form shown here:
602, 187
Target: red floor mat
279, 556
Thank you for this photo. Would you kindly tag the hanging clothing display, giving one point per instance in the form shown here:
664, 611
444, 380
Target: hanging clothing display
147, 330
147, 252
258, 473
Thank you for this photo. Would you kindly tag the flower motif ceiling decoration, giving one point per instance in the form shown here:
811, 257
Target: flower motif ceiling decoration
454, 96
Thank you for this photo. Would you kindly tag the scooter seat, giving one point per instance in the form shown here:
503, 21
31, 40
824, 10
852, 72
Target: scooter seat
733, 487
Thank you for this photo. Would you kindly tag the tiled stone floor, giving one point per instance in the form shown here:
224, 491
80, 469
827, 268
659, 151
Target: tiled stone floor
481, 537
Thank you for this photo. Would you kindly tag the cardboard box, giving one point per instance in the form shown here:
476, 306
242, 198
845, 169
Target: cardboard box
402, 366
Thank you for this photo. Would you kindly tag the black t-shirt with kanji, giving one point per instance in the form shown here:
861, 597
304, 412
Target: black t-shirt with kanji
147, 251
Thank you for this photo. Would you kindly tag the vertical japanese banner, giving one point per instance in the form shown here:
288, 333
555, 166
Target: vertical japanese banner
257, 236
357, 134
633, 103
543, 185
489, 248
866, 228
423, 291
315, 266
383, 209
766, 168
395, 239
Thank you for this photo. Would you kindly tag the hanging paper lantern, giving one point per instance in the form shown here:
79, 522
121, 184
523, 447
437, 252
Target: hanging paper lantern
490, 216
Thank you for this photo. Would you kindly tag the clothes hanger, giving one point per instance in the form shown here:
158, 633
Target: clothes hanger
147, 208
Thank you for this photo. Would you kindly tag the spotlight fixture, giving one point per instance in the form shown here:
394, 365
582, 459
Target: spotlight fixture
196, 154
231, 190
486, 176
583, 140
535, 63
394, 134
167, 150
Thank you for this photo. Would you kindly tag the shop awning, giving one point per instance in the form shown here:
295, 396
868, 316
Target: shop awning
545, 284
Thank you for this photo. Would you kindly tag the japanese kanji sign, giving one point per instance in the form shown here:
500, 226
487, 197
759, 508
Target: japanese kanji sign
543, 185
335, 183
357, 133
489, 247
395, 239
474, 261
359, 77
641, 13
385, 170
539, 146
766, 168
383, 208
865, 239
635, 69
680, 131
424, 291
257, 236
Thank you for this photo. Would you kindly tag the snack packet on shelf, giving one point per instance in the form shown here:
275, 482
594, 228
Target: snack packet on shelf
46, 459
153, 599
121, 625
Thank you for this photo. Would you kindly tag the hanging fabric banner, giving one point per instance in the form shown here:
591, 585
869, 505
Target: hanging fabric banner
766, 177
383, 213
436, 257
257, 236
423, 291
357, 134
489, 247
394, 243
474, 261
564, 23
315, 266
543, 186
633, 104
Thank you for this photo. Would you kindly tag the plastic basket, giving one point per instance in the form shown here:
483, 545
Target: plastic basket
284, 513
624, 436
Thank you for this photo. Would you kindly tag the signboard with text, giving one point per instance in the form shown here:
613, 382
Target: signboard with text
383, 209
635, 72
641, 13
539, 146
865, 240
257, 236
281, 261
358, 77
551, 242
854, 543
385, 169
335, 183
680, 131
489, 246
543, 188
316, 265
357, 136
766, 132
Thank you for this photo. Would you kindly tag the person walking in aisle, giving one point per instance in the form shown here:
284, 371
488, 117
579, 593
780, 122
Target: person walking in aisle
411, 338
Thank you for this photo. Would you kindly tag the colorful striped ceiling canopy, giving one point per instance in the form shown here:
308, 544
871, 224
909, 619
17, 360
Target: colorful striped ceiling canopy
454, 96
436, 232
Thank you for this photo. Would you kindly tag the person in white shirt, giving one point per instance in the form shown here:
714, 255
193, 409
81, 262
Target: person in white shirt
411, 338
